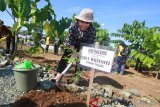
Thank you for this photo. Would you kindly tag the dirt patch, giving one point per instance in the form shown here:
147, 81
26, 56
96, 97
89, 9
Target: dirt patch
49, 99
134, 79
42, 59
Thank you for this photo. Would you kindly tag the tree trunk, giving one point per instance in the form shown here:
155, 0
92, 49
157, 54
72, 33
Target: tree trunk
16, 39
157, 74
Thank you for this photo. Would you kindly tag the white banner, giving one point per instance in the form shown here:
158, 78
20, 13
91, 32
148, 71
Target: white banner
97, 58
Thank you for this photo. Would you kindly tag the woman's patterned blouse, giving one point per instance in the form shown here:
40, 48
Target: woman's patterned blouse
78, 37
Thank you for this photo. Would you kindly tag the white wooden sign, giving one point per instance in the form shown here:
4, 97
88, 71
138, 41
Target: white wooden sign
97, 58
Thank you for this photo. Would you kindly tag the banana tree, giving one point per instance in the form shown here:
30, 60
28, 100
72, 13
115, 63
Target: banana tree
20, 9
58, 29
36, 24
141, 36
152, 44
135, 34
25, 13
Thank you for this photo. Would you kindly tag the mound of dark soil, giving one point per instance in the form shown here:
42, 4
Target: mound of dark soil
49, 99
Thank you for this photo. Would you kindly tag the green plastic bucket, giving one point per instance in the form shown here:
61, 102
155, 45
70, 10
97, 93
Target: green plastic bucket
26, 79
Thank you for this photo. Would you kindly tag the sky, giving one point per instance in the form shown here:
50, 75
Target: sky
110, 14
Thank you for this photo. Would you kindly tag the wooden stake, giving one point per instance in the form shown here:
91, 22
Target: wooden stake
92, 72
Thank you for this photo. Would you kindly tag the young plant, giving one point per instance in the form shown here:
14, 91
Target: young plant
77, 76
74, 58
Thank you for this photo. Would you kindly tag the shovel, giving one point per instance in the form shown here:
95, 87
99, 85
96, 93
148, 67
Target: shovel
57, 82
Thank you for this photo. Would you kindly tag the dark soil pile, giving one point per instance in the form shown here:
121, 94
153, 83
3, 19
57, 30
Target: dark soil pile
49, 99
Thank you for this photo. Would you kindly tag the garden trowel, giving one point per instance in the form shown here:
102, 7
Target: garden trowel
57, 81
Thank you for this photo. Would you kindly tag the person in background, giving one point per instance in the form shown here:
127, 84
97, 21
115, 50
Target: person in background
80, 32
56, 45
122, 54
7, 35
48, 39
